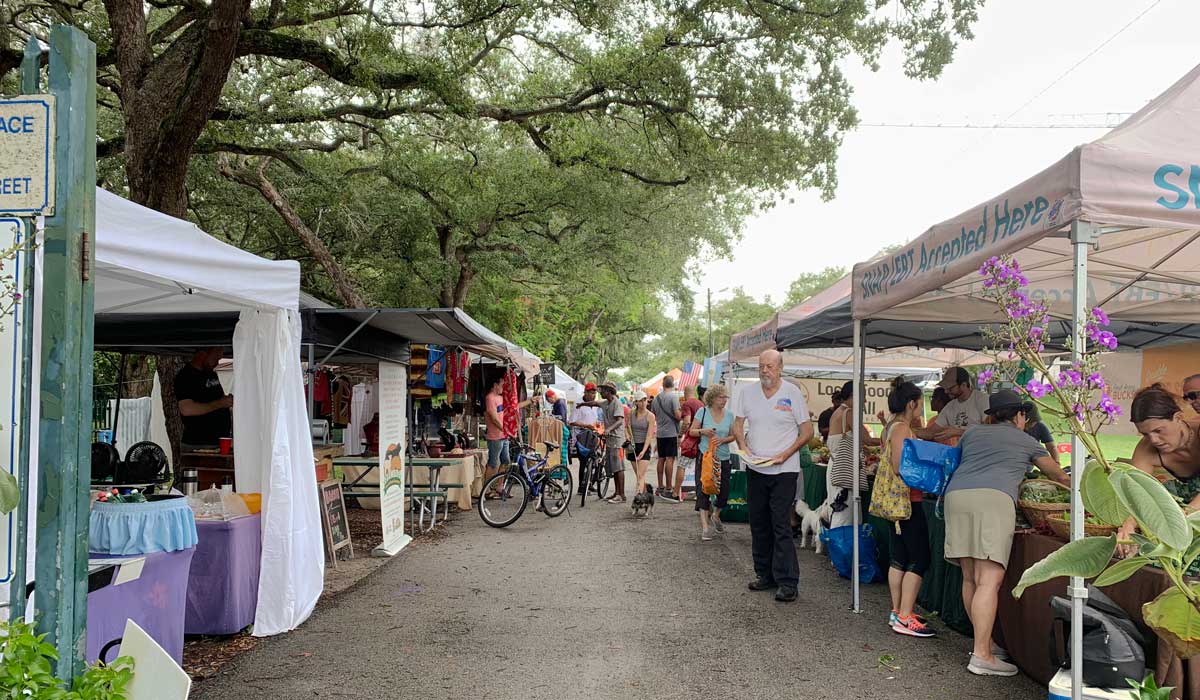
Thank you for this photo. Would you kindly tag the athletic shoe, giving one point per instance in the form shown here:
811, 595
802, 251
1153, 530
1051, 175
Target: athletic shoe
991, 668
785, 594
761, 584
670, 498
705, 536
718, 526
894, 617
912, 627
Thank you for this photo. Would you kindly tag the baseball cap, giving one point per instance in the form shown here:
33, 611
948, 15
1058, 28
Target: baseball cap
639, 395
590, 386
550, 395
953, 377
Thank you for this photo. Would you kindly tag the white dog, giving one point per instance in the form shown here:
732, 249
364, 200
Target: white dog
810, 524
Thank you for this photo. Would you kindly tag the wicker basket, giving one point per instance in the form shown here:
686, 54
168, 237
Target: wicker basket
1062, 528
1037, 513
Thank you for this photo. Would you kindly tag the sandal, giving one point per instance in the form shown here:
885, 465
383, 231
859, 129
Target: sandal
615, 500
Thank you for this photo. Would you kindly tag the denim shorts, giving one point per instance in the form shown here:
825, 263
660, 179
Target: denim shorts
497, 452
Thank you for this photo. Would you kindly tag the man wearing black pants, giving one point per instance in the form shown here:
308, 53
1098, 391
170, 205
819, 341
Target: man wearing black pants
779, 426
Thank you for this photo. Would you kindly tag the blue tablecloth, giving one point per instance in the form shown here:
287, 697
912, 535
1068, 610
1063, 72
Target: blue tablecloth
141, 528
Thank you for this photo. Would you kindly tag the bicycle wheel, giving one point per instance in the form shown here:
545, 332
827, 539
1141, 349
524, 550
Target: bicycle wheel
585, 476
603, 483
556, 491
508, 505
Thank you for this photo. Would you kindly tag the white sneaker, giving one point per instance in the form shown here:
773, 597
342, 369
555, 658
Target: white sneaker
705, 536
981, 667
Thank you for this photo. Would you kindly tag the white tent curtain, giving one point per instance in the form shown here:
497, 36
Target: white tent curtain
277, 461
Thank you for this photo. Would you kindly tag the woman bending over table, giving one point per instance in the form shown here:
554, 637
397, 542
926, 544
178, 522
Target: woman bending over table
1170, 442
981, 514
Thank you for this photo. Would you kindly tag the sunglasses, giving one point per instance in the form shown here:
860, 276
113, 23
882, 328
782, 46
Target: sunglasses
1192, 395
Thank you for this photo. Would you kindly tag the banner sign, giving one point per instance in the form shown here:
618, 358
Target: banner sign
393, 423
546, 373
749, 344
27, 155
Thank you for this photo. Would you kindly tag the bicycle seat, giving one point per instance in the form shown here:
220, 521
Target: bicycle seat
550, 446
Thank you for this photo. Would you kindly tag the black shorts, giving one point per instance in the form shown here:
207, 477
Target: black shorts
668, 447
910, 547
636, 450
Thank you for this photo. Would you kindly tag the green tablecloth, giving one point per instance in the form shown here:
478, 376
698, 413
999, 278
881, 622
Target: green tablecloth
941, 591
814, 484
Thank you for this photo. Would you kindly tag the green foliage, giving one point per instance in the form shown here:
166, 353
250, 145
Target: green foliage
810, 283
1156, 511
10, 496
1086, 557
1174, 616
1099, 497
1148, 689
1121, 570
27, 670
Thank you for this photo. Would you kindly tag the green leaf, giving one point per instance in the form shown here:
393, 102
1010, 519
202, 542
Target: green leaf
1176, 620
1099, 497
1194, 520
1152, 506
10, 495
1120, 571
1086, 558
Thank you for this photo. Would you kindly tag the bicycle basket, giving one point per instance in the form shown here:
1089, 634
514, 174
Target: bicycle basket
587, 443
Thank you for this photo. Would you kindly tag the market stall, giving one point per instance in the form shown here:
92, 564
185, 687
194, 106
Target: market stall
1113, 224
148, 263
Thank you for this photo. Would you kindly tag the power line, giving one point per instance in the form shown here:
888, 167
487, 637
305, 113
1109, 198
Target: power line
1083, 60
882, 125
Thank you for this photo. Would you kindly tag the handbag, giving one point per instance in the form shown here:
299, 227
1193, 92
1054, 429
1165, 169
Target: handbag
841, 468
927, 466
890, 496
690, 446
710, 471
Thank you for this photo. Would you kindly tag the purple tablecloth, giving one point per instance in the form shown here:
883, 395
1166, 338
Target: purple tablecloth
155, 601
223, 590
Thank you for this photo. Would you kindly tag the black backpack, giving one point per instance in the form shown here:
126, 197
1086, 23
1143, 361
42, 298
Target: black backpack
1113, 646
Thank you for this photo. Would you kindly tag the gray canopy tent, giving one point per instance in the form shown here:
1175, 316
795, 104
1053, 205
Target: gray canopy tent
1114, 224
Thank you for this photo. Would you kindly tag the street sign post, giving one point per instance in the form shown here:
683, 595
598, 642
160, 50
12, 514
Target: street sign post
11, 231
27, 155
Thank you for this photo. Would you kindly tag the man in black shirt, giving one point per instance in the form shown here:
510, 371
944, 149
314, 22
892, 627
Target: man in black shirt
203, 404
827, 414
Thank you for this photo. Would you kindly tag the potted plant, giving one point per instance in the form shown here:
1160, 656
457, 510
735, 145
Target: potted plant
1112, 492
26, 670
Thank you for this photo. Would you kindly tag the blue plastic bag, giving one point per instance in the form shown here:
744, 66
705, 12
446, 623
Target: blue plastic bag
927, 466
839, 542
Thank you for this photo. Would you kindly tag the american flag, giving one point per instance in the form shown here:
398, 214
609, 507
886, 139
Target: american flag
691, 374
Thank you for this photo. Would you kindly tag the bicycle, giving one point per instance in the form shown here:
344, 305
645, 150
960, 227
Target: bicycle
592, 474
527, 479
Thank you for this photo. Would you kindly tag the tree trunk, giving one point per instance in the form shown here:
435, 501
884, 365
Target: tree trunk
139, 377
167, 367
257, 179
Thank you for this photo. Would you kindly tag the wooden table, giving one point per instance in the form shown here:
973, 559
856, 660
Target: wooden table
211, 467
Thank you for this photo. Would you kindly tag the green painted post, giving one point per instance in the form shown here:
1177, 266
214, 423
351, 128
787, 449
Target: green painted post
30, 83
66, 355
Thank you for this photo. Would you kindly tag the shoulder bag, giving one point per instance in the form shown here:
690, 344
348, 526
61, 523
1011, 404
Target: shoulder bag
690, 446
890, 497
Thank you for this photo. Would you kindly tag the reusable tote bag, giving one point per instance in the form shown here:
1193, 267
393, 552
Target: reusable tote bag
890, 498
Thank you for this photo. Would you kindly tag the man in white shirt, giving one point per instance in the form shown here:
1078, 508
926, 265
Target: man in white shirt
779, 426
967, 406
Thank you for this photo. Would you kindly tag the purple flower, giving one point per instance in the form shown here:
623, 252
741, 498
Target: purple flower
1107, 339
1108, 407
1096, 381
985, 376
1036, 332
1100, 316
1079, 412
1038, 389
1069, 377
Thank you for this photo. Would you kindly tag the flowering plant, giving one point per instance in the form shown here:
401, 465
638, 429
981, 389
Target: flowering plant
1112, 492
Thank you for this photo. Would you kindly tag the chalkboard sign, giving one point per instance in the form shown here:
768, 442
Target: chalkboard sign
333, 520
546, 374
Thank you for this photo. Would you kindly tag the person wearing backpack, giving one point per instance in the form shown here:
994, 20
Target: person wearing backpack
910, 535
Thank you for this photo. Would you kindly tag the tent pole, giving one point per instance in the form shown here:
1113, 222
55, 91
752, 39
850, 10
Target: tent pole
347, 339
856, 514
1083, 234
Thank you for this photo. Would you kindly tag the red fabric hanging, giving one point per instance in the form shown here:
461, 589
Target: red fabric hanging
511, 412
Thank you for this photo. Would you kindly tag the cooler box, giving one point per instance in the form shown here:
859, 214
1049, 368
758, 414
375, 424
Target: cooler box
1060, 689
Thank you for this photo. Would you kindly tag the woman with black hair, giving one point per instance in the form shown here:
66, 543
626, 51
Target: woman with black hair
910, 538
981, 514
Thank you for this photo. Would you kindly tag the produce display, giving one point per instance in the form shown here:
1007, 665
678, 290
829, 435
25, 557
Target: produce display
1036, 495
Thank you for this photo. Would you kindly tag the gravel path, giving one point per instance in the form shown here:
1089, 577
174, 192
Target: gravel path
597, 604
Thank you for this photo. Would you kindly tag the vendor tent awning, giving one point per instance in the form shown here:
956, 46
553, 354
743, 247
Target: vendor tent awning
1139, 189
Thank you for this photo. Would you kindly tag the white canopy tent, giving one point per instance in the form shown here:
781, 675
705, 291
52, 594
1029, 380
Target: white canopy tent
1132, 197
148, 262
567, 386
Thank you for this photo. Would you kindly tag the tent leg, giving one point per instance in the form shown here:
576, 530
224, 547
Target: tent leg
311, 371
856, 514
1082, 235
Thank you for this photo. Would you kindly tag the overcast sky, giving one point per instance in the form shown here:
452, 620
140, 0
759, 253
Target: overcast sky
897, 182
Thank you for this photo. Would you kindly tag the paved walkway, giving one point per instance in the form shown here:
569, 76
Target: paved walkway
596, 604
